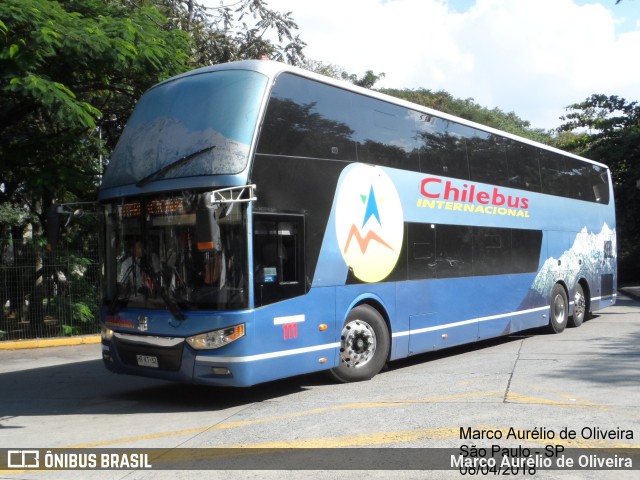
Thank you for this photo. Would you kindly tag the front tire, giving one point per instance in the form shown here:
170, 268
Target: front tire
364, 345
559, 311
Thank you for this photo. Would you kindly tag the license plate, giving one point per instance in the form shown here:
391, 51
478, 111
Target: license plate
147, 361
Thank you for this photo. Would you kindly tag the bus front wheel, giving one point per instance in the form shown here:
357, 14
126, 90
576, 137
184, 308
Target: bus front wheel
364, 345
559, 311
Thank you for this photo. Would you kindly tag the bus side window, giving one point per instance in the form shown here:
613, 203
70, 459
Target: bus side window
308, 119
598, 179
488, 159
421, 260
523, 166
491, 251
386, 134
442, 146
454, 251
578, 181
554, 175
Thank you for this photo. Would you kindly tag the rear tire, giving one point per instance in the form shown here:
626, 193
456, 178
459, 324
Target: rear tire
364, 345
579, 308
559, 311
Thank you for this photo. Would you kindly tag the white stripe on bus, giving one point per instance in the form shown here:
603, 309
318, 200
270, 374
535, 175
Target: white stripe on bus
267, 356
467, 322
316, 348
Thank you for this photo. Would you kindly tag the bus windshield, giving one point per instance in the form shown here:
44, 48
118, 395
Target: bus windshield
194, 125
154, 260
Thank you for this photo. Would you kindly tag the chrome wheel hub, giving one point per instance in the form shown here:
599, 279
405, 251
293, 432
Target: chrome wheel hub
357, 344
559, 309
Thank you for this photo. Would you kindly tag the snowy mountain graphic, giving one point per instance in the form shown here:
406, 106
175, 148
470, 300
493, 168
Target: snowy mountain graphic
590, 254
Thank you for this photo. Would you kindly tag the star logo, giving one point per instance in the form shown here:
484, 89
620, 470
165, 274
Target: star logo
372, 207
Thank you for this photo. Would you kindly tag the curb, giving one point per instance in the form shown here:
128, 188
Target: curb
49, 342
632, 292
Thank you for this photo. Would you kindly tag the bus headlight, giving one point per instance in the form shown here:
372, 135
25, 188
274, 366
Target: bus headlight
216, 338
106, 333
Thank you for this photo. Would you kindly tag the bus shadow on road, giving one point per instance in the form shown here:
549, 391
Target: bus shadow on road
461, 350
86, 388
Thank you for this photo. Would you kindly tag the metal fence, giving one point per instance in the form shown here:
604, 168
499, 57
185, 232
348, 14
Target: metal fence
49, 294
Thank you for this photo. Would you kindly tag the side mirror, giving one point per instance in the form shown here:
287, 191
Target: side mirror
207, 229
53, 227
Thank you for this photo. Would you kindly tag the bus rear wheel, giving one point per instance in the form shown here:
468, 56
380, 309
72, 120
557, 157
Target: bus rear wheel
579, 307
364, 345
559, 312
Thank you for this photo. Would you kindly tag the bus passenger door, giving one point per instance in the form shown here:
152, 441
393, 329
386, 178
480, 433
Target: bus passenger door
278, 257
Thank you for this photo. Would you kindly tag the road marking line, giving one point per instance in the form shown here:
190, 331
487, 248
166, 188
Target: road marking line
514, 397
361, 439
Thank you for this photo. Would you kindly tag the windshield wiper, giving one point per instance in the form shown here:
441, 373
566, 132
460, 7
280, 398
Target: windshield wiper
182, 160
173, 308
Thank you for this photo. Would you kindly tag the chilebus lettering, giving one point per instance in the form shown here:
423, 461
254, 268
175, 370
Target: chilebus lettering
433, 188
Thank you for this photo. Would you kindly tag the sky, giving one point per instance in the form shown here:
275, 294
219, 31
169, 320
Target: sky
532, 57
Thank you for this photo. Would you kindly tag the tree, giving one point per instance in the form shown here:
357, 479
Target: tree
607, 129
72, 70
368, 80
67, 68
235, 31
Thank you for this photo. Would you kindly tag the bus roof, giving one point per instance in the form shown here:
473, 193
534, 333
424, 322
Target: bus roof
272, 69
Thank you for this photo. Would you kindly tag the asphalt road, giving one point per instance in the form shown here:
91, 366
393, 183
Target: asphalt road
585, 380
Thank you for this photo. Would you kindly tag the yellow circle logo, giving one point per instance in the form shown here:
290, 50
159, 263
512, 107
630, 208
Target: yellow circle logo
369, 222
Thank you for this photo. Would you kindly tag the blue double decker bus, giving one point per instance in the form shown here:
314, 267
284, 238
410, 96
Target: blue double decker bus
263, 222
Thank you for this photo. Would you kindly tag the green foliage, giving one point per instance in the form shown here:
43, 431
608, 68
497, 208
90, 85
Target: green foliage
368, 80
237, 30
13, 216
66, 68
72, 70
607, 129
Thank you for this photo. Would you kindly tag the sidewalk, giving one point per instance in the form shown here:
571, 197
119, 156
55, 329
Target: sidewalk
631, 292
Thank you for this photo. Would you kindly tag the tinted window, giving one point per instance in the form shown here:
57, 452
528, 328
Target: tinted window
421, 258
444, 251
491, 251
386, 134
598, 180
487, 159
523, 166
442, 147
576, 179
586, 181
525, 250
308, 119
553, 174
454, 251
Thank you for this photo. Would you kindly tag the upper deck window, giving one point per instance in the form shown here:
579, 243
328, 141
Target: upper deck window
213, 115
